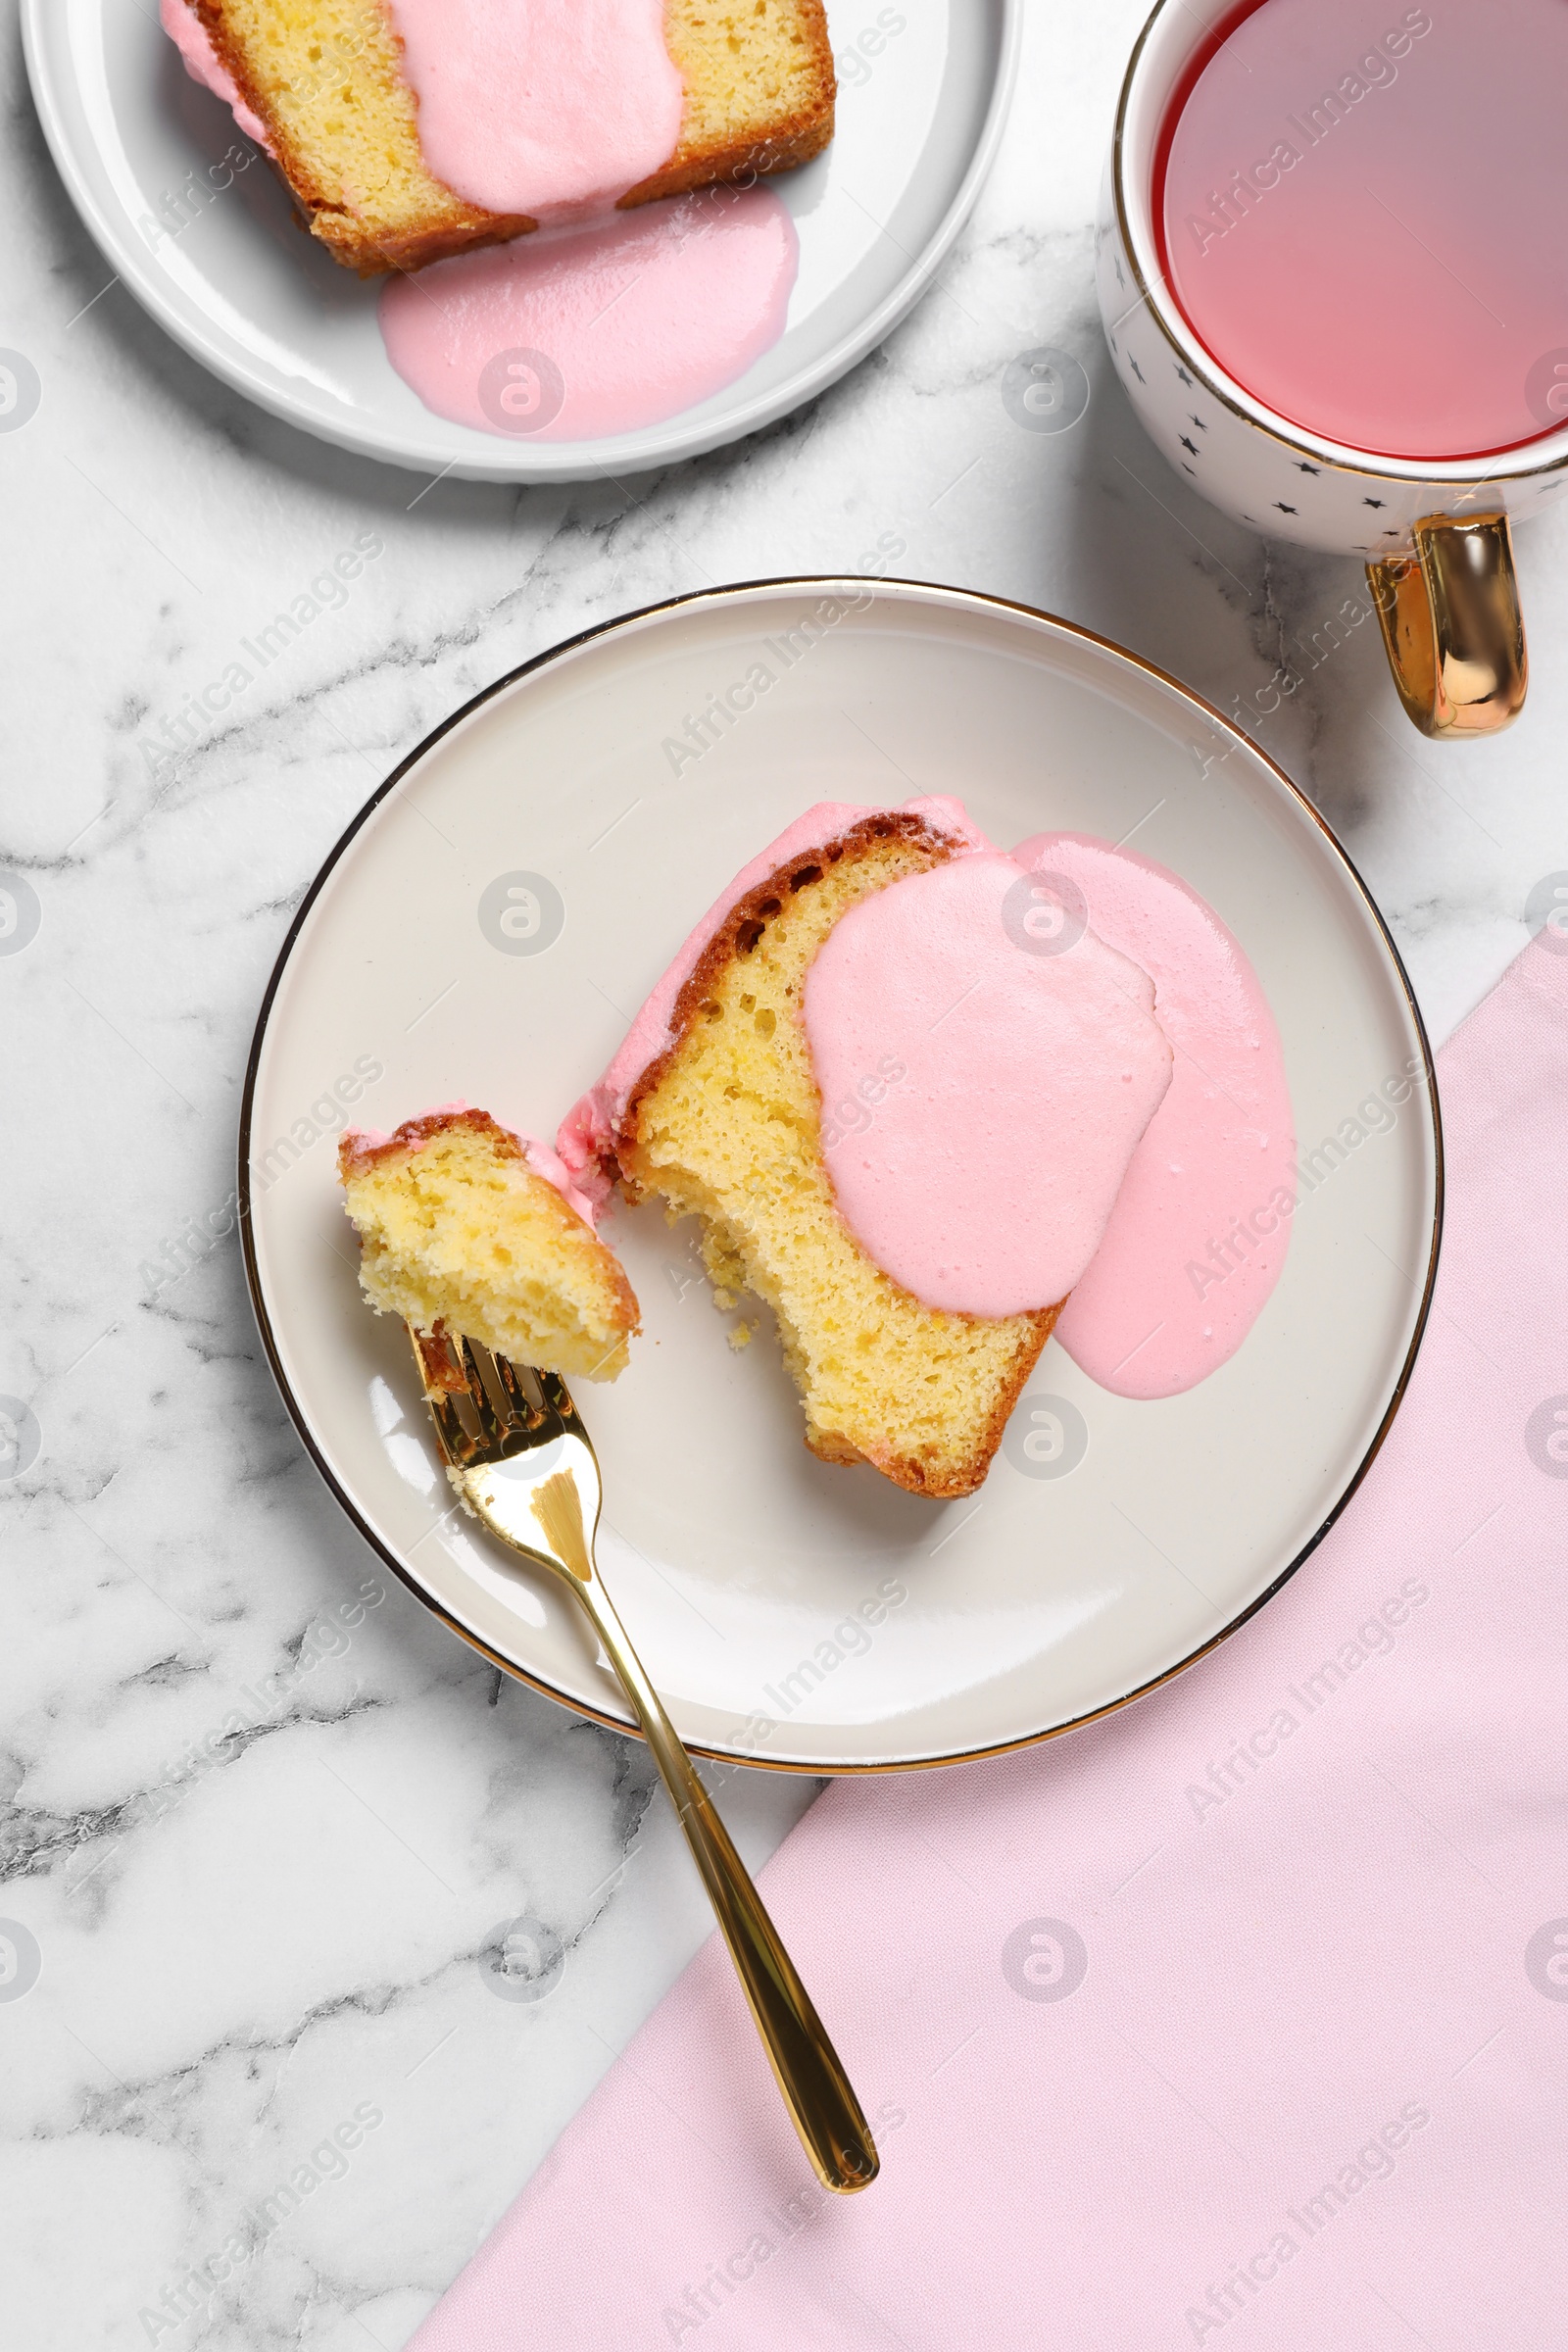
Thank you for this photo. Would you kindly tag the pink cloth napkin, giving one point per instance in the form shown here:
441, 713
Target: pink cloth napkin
1240, 2018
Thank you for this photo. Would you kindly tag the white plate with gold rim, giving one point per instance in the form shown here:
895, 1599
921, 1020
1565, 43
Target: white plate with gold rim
194, 221
487, 928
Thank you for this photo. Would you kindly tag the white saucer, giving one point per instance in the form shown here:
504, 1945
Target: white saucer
919, 113
871, 1628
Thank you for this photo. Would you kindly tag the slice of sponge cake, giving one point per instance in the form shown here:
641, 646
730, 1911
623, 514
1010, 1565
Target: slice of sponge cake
325, 79
725, 1125
460, 1230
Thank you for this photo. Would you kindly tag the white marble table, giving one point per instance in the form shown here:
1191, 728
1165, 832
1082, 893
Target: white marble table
261, 1813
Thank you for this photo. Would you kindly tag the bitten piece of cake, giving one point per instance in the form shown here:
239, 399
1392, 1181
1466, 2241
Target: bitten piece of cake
467, 1226
715, 1103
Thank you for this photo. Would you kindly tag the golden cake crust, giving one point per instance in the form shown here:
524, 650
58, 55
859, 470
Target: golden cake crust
358, 1152
750, 916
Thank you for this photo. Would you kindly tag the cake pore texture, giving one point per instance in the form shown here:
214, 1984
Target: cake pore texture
457, 1229
325, 80
725, 1125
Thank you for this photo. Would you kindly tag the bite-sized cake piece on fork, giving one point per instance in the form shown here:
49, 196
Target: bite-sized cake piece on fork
469, 1228
408, 129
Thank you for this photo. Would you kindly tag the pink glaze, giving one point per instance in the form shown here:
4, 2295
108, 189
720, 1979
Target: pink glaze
586, 1140
541, 1159
547, 1164
203, 64
541, 107
576, 334
1004, 1090
1198, 1236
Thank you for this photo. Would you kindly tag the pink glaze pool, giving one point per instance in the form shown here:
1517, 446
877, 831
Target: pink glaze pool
1197, 1237
1022, 1078
579, 335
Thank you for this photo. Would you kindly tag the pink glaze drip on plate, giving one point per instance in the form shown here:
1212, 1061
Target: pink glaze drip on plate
586, 1140
581, 333
1197, 1237
541, 107
983, 1094
203, 64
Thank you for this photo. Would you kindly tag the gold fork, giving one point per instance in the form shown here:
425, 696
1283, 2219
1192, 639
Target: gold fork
525, 1467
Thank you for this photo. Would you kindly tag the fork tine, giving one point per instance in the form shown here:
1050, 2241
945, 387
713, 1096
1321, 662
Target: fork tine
523, 1415
455, 1372
557, 1397
433, 1353
491, 1431
443, 1384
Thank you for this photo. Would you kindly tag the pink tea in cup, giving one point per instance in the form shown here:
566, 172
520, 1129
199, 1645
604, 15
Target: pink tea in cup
1363, 214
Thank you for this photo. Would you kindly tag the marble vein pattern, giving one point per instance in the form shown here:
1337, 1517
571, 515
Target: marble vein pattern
266, 1827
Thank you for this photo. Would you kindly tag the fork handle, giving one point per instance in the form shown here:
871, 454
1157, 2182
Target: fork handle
816, 2090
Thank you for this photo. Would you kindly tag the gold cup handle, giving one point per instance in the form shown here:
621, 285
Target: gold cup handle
1452, 625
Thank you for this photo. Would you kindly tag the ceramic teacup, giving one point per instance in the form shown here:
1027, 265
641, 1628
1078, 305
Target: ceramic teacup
1434, 534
